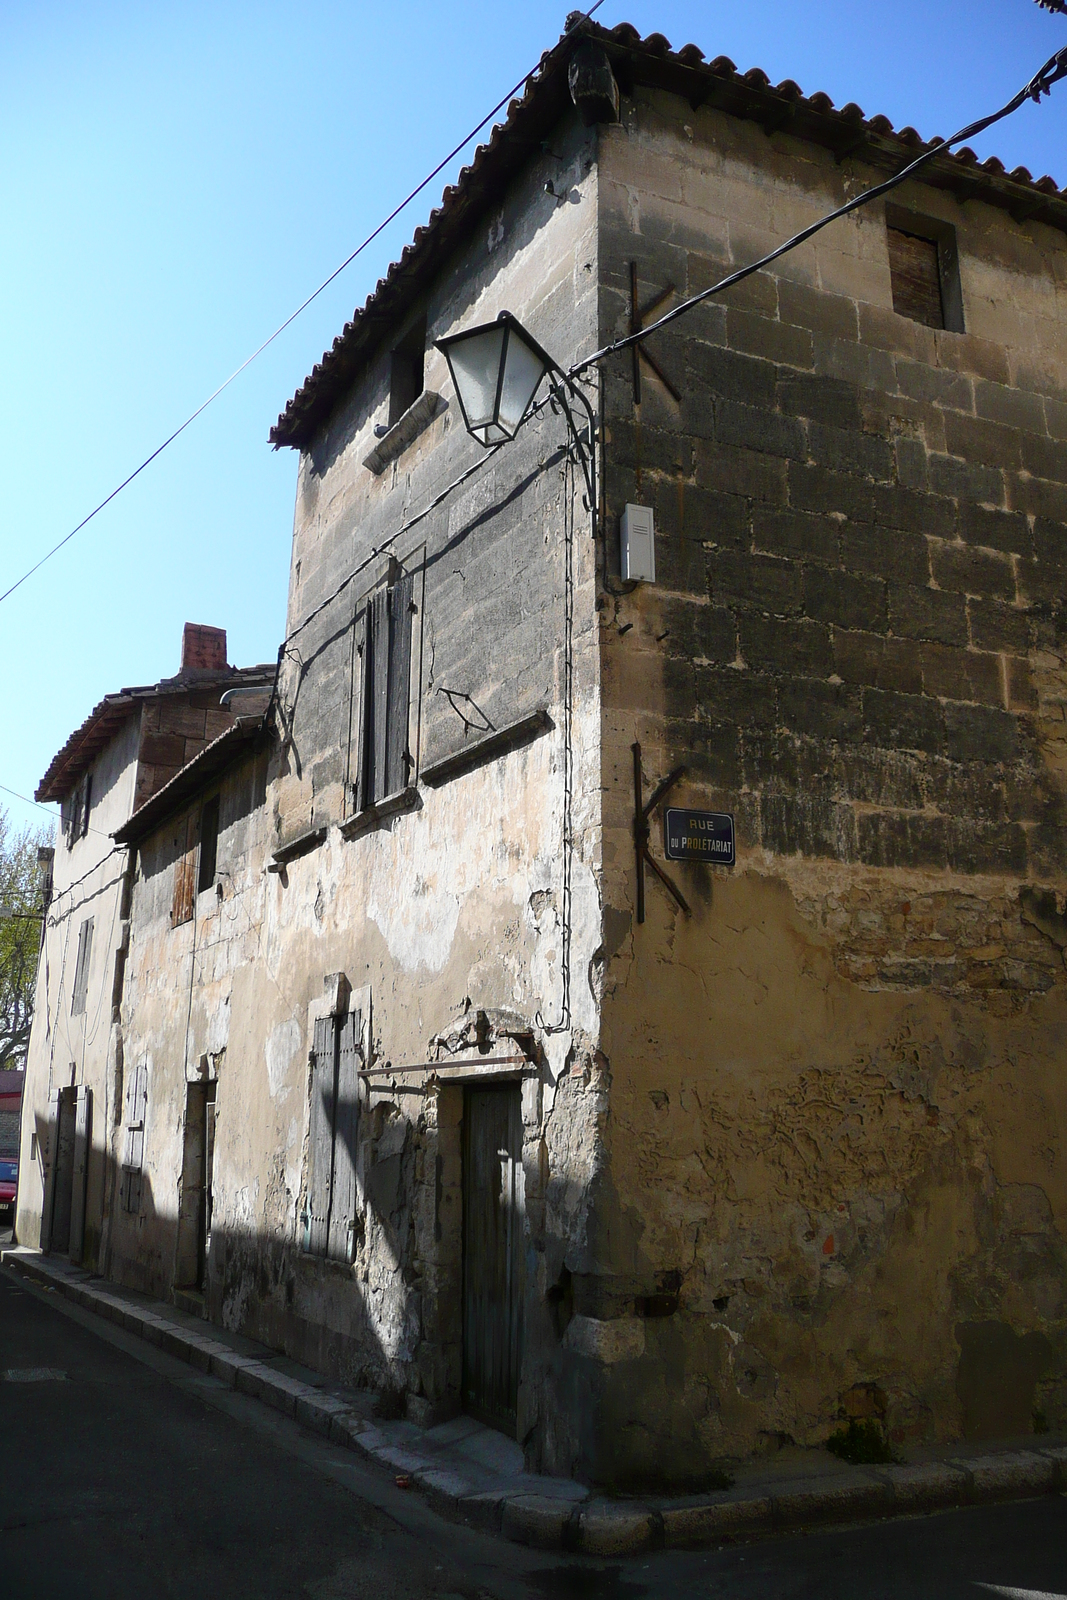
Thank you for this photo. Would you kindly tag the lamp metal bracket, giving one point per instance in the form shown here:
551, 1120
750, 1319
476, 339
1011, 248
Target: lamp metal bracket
642, 811
640, 350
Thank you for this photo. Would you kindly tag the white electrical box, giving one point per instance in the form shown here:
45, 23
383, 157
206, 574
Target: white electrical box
637, 543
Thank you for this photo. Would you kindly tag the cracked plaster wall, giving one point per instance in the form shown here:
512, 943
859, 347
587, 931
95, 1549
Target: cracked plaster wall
453, 907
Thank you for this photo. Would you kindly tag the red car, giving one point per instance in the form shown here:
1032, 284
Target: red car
10, 1118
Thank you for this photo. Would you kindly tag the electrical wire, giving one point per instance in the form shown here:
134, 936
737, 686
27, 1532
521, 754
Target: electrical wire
347, 262
25, 797
1041, 83
386, 544
100, 833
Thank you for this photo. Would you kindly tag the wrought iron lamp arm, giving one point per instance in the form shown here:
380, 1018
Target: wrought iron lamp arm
588, 461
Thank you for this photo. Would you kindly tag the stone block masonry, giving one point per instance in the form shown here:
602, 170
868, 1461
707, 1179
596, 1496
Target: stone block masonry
832, 1087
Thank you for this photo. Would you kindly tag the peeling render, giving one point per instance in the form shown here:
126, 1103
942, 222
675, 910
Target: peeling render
794, 1158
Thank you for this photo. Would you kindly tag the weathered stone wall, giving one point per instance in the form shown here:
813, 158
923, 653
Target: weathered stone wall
836, 1174
68, 1048
176, 1011
457, 906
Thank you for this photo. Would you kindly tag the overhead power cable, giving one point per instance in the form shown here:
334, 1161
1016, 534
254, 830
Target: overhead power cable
28, 801
347, 262
1053, 70
1041, 83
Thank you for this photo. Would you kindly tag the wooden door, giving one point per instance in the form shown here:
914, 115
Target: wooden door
209, 1179
63, 1193
493, 1253
195, 1203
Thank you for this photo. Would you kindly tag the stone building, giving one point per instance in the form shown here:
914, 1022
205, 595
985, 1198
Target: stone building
424, 1101
128, 748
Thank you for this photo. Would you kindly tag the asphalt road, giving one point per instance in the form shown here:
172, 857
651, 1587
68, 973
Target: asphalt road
127, 1475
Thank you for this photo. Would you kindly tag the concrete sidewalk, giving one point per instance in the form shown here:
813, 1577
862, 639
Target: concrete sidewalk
473, 1472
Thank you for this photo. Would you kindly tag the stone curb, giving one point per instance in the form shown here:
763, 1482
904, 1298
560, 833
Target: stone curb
598, 1527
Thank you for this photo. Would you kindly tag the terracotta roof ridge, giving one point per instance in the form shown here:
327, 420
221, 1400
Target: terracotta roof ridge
74, 756
546, 95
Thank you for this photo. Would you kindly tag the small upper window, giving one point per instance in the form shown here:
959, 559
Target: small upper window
406, 371
209, 844
87, 803
75, 809
924, 270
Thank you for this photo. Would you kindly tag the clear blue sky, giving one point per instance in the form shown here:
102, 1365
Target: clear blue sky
176, 178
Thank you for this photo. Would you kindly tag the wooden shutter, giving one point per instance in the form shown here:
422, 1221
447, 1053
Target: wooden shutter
373, 722
181, 909
345, 1136
396, 757
378, 616
87, 804
916, 278
364, 741
81, 967
320, 1137
133, 1157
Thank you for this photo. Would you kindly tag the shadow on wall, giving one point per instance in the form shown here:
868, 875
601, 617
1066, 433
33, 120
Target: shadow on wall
346, 1319
620, 1365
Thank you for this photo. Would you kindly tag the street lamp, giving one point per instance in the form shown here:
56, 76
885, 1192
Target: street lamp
496, 369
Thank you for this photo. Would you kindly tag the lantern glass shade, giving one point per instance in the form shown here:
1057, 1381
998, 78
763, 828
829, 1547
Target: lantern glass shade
496, 369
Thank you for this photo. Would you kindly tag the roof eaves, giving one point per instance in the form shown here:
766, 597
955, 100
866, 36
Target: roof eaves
651, 63
99, 727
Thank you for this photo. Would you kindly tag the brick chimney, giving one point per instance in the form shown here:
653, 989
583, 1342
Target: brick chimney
203, 648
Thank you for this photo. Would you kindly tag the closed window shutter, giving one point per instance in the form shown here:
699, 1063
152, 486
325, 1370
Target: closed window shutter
396, 756
362, 712
185, 877
916, 278
133, 1157
75, 815
379, 641
87, 804
320, 1137
384, 762
81, 967
346, 1132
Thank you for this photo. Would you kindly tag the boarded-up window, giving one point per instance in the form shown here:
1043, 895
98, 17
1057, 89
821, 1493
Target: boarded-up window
406, 371
81, 967
330, 1211
87, 804
209, 844
136, 1108
181, 909
384, 761
75, 809
916, 275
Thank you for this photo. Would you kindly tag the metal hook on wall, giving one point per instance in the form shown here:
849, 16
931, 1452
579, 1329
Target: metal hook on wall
643, 855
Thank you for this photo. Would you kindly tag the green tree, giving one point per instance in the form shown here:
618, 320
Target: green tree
20, 935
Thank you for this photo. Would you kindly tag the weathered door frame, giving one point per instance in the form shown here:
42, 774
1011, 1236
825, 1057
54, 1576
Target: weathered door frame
498, 1410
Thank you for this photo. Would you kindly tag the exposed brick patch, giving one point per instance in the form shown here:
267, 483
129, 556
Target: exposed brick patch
884, 936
